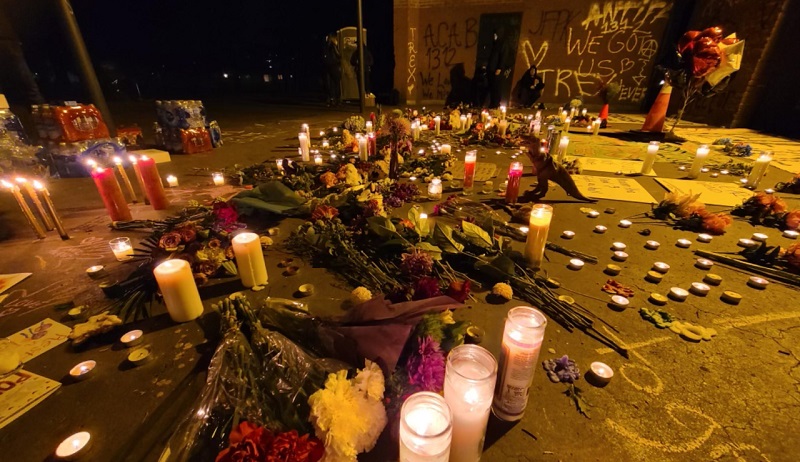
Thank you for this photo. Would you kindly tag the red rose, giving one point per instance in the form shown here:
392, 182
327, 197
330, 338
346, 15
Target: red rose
188, 233
247, 443
290, 447
170, 241
225, 214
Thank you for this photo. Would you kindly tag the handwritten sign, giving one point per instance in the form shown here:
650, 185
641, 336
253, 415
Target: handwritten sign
483, 170
9, 280
20, 391
711, 193
39, 338
595, 164
614, 188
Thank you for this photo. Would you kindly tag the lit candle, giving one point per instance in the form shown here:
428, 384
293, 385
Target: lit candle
600, 229
279, 164
704, 263
588, 129
661, 267
747, 243
132, 338
470, 378
699, 160
596, 127
445, 149
437, 124
536, 127
790, 234
593, 214
318, 159
522, 340
683, 243
484, 116
463, 123
567, 123
305, 129
723, 172
363, 152
568, 234
74, 446
524, 229
138, 174
769, 191
618, 246
152, 183
576, 264
415, 130
37, 204
583, 112
372, 144
652, 245
469, 120
326, 144
700, 289
368, 126
425, 428
759, 169
172, 181
563, 116
470, 159
95, 272
176, 282
760, 237
125, 180
703, 237
625, 223
51, 209
37, 228
502, 127
122, 248
218, 179
563, 144
678, 294
757, 282
110, 192
541, 215
82, 370
502, 112
619, 302
304, 146
250, 259
650, 157
601, 373
435, 189
514, 177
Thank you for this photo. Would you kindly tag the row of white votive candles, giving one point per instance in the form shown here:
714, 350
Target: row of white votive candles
756, 174
453, 428
42, 203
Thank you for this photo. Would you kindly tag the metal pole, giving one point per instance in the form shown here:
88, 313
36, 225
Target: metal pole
88, 75
362, 90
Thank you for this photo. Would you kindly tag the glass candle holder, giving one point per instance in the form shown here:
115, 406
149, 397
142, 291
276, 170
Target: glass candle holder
514, 177
759, 169
425, 428
469, 385
470, 159
435, 189
699, 160
541, 215
650, 157
522, 340
122, 248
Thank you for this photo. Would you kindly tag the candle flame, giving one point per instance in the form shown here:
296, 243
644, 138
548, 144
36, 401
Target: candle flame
91, 163
37, 185
132, 159
7, 184
145, 158
117, 160
21, 180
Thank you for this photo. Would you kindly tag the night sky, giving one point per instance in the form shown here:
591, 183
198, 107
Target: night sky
166, 46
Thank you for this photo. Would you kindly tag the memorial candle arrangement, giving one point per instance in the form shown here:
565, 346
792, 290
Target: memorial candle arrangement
51, 209
425, 428
27, 186
541, 215
699, 160
650, 157
563, 144
304, 146
522, 340
37, 228
152, 183
514, 177
125, 180
110, 192
250, 259
470, 159
759, 169
469, 383
176, 283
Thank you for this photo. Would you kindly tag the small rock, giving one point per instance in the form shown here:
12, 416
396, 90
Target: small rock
552, 351
645, 232
611, 210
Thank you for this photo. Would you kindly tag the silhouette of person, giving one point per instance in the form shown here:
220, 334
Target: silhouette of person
499, 66
528, 89
332, 59
460, 86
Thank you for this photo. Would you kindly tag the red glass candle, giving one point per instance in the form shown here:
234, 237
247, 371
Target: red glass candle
111, 193
372, 144
514, 175
152, 183
470, 158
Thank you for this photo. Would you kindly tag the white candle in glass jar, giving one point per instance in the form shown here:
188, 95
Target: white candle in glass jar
522, 340
250, 259
425, 428
502, 127
563, 144
445, 149
218, 179
172, 181
304, 146
362, 148
699, 159
435, 189
176, 282
368, 126
541, 215
122, 248
318, 159
596, 126
469, 384
759, 169
437, 125
650, 157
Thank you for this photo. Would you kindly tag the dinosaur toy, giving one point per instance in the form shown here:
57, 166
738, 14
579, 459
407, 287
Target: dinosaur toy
547, 169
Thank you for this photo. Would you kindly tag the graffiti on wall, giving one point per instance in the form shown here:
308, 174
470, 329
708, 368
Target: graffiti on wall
444, 44
612, 42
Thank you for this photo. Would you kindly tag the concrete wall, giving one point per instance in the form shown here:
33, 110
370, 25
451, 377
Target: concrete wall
575, 44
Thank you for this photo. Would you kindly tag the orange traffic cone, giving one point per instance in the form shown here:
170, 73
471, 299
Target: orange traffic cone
604, 112
654, 122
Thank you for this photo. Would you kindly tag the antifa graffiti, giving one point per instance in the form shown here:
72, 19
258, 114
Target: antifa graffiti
613, 42
444, 44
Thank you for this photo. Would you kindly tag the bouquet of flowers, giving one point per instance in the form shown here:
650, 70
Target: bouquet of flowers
792, 186
768, 210
686, 212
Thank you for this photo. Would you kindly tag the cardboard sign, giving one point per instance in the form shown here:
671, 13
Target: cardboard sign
613, 187
20, 391
39, 338
711, 192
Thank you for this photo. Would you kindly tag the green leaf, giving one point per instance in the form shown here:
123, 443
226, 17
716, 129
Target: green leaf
477, 235
230, 267
443, 237
500, 268
423, 229
576, 395
382, 226
430, 249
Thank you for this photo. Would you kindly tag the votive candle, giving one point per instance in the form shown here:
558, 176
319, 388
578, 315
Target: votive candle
514, 177
435, 189
759, 169
699, 159
470, 159
218, 179
425, 428
152, 183
650, 157
541, 215
304, 146
110, 192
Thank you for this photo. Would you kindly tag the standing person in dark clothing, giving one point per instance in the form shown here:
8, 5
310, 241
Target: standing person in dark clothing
16, 77
480, 83
499, 66
332, 59
368, 61
529, 88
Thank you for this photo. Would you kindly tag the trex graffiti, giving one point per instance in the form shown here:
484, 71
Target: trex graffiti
614, 15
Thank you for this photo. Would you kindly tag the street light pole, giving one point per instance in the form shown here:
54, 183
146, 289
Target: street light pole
362, 90
88, 74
